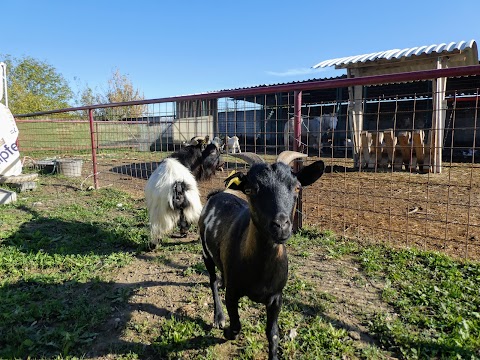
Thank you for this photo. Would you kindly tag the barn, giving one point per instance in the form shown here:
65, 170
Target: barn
393, 61
424, 104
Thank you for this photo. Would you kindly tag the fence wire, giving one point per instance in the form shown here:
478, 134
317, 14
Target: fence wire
380, 183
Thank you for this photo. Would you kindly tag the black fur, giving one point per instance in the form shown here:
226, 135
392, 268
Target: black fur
180, 202
202, 161
183, 224
179, 199
246, 241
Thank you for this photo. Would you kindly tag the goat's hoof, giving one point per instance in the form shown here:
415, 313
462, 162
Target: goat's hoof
230, 334
151, 246
219, 322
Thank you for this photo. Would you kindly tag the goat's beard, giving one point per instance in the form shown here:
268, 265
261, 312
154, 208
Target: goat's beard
179, 198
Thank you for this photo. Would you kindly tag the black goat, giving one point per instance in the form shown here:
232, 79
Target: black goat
203, 161
245, 240
171, 192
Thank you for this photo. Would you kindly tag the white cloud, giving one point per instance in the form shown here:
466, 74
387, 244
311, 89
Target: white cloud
296, 72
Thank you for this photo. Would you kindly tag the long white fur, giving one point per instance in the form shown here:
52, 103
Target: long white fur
159, 194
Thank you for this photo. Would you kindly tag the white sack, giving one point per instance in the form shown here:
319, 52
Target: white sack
10, 163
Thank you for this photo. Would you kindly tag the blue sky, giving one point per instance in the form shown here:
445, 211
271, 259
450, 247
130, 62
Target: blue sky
170, 48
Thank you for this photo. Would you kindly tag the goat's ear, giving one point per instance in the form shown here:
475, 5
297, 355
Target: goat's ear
311, 173
235, 181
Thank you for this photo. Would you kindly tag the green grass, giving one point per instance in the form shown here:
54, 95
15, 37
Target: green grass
177, 336
46, 134
59, 135
55, 265
60, 248
437, 301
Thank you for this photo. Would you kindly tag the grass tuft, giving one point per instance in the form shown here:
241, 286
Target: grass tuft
61, 249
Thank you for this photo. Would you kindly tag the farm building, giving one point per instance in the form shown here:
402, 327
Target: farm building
424, 104
406, 60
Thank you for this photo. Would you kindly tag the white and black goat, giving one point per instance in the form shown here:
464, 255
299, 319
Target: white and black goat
218, 142
171, 192
245, 239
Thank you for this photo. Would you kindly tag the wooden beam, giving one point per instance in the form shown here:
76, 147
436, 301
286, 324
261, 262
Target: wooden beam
377, 147
366, 143
439, 114
403, 145
356, 115
429, 151
390, 143
419, 148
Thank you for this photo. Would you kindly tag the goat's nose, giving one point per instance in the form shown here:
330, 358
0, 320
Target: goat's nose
281, 221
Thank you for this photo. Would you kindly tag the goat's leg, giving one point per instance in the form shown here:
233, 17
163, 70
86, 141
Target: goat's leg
218, 316
273, 309
231, 301
183, 224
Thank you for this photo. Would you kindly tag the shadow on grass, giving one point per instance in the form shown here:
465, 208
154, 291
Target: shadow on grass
48, 311
58, 236
40, 319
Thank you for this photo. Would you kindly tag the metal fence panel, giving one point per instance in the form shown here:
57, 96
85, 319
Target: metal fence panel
387, 194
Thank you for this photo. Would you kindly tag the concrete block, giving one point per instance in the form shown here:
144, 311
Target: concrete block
7, 196
24, 186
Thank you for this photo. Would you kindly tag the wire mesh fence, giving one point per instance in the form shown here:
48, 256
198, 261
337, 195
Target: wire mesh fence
393, 174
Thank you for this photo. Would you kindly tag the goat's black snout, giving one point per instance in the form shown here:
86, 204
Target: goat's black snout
179, 198
281, 227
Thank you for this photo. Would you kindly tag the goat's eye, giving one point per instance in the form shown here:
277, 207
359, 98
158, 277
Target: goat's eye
250, 191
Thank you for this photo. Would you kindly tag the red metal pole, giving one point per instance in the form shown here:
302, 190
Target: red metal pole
297, 124
94, 148
297, 132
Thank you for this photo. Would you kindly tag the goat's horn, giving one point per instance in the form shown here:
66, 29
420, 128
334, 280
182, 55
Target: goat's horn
249, 157
288, 156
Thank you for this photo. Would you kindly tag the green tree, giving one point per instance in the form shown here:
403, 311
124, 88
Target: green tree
119, 89
35, 85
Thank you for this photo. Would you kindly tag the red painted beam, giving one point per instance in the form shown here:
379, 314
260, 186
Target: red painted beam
310, 85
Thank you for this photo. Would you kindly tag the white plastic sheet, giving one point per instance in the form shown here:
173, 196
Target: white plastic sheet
2, 71
10, 163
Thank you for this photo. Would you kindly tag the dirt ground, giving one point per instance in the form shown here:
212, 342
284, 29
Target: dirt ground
439, 212
160, 289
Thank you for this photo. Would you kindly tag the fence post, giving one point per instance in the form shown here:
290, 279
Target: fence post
297, 132
94, 148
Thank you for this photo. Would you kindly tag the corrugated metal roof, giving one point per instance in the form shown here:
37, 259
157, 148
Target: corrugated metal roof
397, 54
286, 83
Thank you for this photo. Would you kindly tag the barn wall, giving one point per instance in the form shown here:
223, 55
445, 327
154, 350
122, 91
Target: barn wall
246, 123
